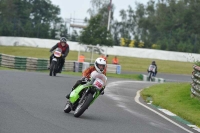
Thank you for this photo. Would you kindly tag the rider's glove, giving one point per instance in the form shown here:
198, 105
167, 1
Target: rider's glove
84, 79
63, 56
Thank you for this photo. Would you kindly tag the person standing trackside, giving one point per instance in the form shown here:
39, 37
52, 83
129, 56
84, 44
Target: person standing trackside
115, 61
81, 58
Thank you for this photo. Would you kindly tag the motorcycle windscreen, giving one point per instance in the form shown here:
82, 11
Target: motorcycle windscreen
100, 79
58, 52
152, 68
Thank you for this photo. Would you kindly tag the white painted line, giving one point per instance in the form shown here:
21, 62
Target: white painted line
150, 102
112, 84
137, 100
167, 112
194, 127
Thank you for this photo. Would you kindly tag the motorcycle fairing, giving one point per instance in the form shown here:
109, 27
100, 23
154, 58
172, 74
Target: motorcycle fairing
74, 95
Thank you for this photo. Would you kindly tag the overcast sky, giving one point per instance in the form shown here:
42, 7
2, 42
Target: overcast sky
78, 8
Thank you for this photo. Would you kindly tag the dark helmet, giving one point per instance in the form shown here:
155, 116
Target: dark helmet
63, 39
153, 62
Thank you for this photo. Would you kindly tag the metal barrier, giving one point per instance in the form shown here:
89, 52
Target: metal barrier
195, 85
28, 63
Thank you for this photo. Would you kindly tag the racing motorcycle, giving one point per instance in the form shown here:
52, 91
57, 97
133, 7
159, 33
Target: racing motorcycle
55, 63
151, 71
84, 95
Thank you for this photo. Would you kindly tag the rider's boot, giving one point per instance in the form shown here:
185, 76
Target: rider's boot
67, 96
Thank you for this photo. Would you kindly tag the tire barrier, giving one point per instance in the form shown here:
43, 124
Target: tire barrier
28, 63
154, 79
195, 85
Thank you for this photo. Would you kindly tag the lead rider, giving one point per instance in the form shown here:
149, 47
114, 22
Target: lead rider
65, 50
99, 66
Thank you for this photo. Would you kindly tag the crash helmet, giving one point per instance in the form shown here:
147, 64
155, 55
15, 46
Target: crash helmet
153, 63
63, 39
100, 64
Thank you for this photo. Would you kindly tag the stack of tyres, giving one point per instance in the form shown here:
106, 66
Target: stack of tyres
42, 64
20, 63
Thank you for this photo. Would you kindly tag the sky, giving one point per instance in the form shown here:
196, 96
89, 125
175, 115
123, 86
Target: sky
78, 8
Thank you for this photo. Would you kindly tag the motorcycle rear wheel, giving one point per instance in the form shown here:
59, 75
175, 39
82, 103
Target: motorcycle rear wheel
83, 106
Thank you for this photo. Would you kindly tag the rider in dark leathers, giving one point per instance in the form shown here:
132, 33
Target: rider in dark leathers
154, 63
65, 50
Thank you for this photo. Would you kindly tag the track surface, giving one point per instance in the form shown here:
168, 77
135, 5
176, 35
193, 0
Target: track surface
32, 102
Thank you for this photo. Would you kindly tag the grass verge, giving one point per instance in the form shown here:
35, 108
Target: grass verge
176, 98
111, 75
128, 63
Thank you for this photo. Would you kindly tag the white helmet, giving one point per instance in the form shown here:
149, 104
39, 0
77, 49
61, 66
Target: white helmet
100, 61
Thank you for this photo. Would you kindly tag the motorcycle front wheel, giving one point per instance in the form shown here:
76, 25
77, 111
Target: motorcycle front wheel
52, 69
83, 106
150, 76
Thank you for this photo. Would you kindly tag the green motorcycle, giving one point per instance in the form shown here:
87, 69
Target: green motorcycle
84, 95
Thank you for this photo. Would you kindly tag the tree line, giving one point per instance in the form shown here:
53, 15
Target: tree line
171, 25
30, 18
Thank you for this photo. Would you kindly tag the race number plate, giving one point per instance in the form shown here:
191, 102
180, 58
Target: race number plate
57, 54
98, 83
151, 68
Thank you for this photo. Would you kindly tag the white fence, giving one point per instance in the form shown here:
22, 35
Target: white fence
119, 51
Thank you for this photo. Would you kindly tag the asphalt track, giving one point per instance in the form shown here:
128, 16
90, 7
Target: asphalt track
32, 102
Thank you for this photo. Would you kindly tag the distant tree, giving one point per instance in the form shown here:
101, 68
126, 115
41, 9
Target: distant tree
166, 24
29, 18
95, 33
74, 36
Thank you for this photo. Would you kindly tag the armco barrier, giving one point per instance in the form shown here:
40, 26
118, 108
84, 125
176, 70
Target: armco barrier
195, 85
27, 63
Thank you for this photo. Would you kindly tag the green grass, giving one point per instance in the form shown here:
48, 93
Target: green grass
125, 76
128, 63
4, 68
176, 98
111, 75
